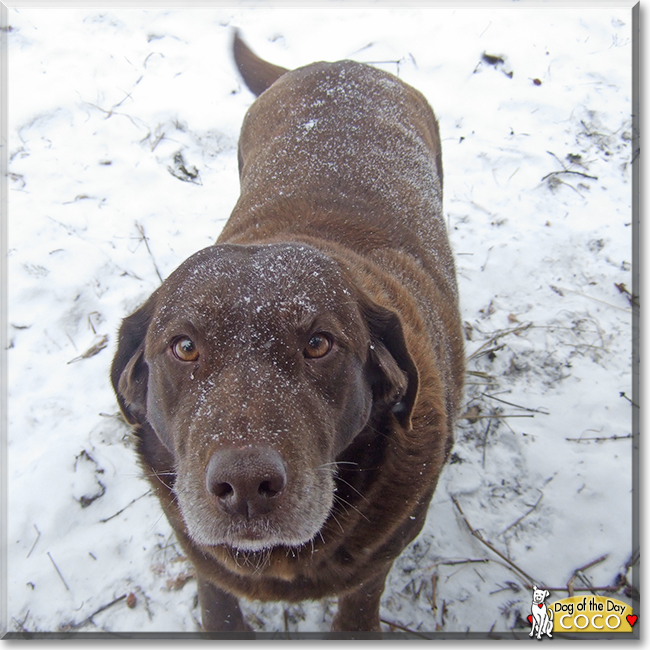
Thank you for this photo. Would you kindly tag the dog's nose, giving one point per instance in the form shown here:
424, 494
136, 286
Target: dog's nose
246, 481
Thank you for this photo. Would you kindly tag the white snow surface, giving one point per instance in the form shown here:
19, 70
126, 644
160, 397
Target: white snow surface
537, 152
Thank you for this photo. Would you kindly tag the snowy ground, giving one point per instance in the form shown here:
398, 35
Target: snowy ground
123, 123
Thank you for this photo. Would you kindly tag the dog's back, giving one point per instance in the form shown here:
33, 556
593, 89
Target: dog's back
349, 136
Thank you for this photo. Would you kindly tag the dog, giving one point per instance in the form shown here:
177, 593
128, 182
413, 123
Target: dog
294, 386
542, 616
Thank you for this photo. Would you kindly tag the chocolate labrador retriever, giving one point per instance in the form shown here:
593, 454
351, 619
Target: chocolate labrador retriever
294, 386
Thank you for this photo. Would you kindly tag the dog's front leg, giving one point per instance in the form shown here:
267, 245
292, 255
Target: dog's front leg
220, 610
358, 610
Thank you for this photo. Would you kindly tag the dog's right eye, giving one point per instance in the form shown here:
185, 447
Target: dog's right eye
184, 349
319, 345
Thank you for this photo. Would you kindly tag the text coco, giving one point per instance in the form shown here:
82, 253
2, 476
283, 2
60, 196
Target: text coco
589, 613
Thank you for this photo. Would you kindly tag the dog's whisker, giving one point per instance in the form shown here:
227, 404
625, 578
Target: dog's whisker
336, 463
343, 501
335, 518
155, 523
363, 496
157, 475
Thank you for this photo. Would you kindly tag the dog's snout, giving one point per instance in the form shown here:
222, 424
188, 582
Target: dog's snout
247, 481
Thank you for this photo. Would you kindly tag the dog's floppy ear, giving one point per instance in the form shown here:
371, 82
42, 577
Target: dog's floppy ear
394, 374
129, 372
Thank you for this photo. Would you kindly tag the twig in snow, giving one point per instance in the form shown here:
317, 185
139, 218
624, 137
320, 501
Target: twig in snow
622, 394
90, 320
35, 541
612, 588
578, 574
480, 538
22, 625
510, 586
119, 512
633, 300
485, 441
491, 634
481, 560
481, 375
568, 171
89, 619
94, 349
630, 590
492, 350
634, 559
110, 113
584, 295
497, 335
434, 582
497, 416
565, 170
57, 570
513, 524
592, 563
393, 625
285, 615
523, 408
146, 243
615, 437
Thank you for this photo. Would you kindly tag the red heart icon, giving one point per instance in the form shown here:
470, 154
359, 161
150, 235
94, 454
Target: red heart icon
631, 619
530, 619
540, 605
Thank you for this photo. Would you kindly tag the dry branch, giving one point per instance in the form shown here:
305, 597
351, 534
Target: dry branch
393, 625
57, 570
568, 171
480, 538
496, 416
578, 574
89, 619
94, 349
622, 394
512, 525
35, 541
119, 512
495, 337
615, 437
523, 408
146, 243
434, 582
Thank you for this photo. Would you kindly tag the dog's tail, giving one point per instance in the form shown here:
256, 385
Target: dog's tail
257, 73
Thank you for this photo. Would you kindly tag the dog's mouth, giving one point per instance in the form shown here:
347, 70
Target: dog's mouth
260, 536
294, 522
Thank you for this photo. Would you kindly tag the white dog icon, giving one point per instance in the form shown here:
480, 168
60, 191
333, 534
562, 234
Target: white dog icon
542, 616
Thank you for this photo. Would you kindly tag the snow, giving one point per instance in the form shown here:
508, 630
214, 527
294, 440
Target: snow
123, 123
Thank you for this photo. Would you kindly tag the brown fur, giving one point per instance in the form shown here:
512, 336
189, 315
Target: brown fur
339, 230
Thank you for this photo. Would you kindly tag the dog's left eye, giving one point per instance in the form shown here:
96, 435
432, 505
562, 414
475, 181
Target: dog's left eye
184, 349
318, 346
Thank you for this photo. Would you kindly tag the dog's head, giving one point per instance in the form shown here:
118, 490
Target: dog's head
539, 595
256, 367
